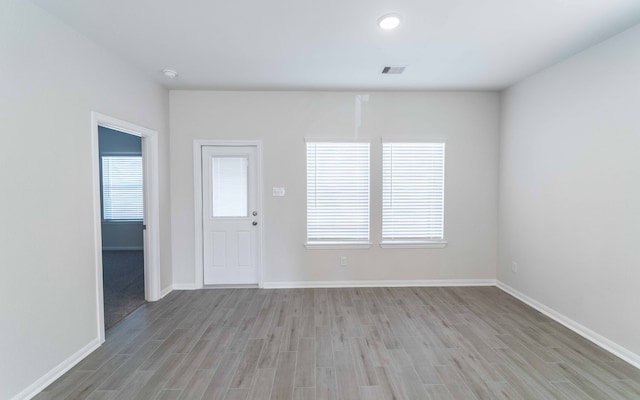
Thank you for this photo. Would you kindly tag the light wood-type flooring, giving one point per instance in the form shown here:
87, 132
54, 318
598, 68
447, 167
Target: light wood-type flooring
356, 343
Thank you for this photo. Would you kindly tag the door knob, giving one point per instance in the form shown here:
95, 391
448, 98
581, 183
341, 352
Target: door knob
254, 213
254, 223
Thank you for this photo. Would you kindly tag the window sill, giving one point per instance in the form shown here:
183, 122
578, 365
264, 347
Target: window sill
413, 244
337, 245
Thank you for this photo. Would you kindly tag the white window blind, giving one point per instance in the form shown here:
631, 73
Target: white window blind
413, 191
122, 188
337, 192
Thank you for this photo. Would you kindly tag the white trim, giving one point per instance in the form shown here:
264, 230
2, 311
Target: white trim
48, 378
337, 245
391, 283
166, 291
151, 203
197, 215
232, 286
414, 140
185, 286
337, 140
599, 340
412, 244
197, 203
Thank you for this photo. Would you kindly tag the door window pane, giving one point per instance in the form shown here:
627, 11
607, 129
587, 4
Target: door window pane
229, 185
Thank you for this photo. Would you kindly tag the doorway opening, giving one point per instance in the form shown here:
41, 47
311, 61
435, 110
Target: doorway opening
122, 195
126, 214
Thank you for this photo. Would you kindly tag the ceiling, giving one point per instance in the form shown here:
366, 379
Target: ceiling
336, 44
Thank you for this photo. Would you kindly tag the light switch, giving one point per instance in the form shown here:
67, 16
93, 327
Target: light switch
278, 192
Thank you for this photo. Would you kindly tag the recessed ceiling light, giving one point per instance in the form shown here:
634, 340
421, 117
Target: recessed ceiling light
389, 21
169, 73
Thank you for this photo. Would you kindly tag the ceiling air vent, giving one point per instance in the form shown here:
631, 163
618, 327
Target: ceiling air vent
393, 69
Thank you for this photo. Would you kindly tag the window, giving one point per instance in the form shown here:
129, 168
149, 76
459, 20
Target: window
337, 193
122, 188
413, 194
229, 186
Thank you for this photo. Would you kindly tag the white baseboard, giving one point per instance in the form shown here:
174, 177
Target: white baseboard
184, 286
610, 346
166, 291
48, 378
392, 283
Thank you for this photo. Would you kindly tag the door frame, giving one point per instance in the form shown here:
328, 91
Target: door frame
197, 200
151, 208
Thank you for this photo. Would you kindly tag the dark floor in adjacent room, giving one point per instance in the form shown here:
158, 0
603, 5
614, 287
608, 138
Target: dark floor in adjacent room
123, 282
457, 343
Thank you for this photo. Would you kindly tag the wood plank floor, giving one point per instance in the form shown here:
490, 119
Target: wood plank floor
356, 343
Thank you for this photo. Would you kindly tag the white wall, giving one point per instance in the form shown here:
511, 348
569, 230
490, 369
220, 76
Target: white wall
570, 188
469, 121
51, 79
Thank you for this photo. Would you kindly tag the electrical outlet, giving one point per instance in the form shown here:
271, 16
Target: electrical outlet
343, 261
514, 266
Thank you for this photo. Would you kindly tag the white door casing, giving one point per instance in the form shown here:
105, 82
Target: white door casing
151, 209
230, 232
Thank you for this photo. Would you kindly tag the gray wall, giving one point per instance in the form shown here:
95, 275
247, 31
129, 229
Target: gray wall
570, 188
469, 121
52, 78
120, 235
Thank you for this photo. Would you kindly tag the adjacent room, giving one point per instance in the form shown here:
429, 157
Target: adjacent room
334, 200
122, 215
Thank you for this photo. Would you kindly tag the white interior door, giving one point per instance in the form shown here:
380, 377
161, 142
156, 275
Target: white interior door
230, 215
